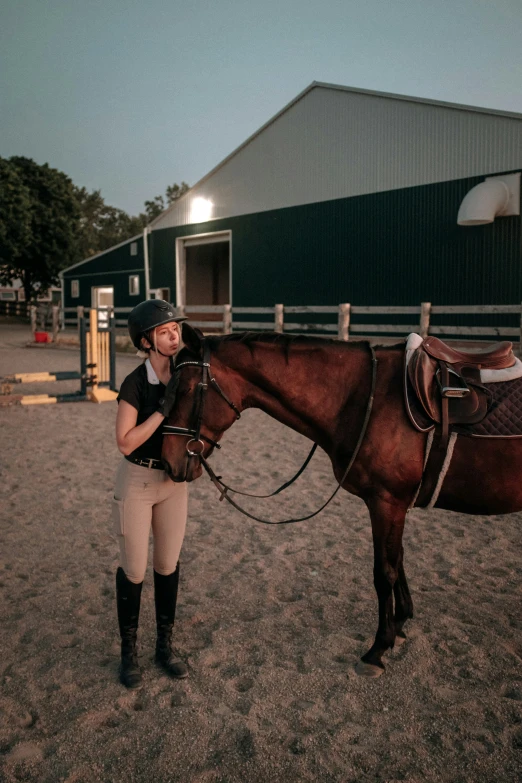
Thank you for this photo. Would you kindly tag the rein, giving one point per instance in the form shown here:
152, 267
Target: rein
197, 438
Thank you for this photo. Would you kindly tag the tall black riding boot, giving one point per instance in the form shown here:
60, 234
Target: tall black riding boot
128, 597
165, 596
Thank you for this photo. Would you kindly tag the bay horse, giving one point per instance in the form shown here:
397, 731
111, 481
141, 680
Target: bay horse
321, 389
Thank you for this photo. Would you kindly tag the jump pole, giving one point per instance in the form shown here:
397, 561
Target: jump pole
97, 367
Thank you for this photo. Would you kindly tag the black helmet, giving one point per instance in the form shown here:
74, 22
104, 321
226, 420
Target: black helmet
149, 314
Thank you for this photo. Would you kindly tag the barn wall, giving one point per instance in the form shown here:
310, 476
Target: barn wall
334, 143
400, 247
111, 268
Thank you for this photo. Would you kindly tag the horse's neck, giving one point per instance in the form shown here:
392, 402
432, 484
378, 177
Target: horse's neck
306, 390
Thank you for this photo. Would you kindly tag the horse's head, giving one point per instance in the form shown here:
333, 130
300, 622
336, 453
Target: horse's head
204, 408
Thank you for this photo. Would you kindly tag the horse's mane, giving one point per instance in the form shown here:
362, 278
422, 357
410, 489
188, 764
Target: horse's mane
286, 341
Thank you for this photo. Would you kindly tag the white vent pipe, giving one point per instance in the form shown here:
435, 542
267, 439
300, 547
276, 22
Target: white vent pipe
495, 197
483, 203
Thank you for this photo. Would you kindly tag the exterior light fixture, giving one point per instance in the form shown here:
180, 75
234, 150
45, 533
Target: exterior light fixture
495, 197
200, 210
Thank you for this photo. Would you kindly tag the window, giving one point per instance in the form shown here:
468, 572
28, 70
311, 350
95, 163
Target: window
7, 296
134, 248
75, 289
134, 285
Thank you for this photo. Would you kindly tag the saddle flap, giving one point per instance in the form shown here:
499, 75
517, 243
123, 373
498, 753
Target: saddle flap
422, 374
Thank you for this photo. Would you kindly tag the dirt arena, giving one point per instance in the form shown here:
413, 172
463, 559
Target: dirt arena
271, 621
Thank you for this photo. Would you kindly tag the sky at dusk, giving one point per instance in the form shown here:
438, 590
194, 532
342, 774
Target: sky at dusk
130, 97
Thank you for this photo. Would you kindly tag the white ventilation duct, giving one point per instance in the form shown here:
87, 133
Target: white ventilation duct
497, 196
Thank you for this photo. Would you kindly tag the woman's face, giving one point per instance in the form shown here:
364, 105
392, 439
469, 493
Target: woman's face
166, 339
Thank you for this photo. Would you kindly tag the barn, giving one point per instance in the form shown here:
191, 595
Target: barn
346, 195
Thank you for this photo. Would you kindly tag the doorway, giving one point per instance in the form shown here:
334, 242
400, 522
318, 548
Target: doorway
102, 298
203, 271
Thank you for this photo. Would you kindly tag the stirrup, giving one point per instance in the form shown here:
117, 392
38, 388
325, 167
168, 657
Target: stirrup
461, 389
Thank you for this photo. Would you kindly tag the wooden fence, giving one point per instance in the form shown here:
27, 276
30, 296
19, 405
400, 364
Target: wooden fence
347, 321
11, 308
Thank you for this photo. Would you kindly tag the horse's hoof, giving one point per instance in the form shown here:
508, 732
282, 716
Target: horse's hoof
400, 638
368, 670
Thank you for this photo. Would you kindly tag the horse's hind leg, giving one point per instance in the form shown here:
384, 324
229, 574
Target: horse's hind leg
387, 528
403, 602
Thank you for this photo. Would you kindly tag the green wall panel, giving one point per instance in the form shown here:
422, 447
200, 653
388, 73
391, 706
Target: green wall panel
110, 269
394, 248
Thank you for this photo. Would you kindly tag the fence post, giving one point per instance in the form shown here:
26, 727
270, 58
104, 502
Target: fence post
279, 318
79, 314
343, 330
56, 322
424, 326
82, 333
32, 311
94, 357
227, 319
112, 349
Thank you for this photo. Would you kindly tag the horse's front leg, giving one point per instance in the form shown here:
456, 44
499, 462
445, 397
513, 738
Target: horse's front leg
387, 528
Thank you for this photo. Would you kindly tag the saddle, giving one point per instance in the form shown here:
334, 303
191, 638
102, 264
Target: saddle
447, 382
445, 387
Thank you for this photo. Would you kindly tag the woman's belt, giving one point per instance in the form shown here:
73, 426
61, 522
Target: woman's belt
155, 464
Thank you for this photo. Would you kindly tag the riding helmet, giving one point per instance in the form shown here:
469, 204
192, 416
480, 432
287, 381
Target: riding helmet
148, 315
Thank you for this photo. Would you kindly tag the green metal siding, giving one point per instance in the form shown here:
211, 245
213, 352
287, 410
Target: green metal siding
108, 269
395, 248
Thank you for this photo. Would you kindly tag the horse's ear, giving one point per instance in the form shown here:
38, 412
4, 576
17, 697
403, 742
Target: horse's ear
192, 338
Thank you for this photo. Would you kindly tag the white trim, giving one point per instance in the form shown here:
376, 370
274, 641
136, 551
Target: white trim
208, 239
190, 240
340, 87
146, 262
412, 99
103, 253
134, 277
62, 297
112, 272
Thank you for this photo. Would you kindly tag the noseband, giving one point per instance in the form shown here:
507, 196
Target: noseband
195, 444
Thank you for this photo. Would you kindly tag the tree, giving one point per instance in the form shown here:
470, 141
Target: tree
102, 226
47, 200
159, 204
15, 220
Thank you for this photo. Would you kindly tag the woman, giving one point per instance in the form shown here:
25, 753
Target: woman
144, 496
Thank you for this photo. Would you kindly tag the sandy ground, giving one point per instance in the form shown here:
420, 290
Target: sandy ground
271, 620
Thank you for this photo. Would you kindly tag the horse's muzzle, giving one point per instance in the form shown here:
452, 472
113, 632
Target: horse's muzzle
190, 471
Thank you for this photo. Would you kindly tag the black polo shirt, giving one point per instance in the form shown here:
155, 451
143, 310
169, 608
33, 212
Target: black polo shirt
144, 396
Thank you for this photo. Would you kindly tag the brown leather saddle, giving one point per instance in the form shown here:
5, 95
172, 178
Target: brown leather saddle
446, 382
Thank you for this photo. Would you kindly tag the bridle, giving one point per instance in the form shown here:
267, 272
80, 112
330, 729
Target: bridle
194, 434
196, 437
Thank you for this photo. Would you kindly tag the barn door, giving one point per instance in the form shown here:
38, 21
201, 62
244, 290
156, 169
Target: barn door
102, 299
204, 264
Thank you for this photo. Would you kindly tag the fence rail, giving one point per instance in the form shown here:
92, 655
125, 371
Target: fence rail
347, 320
10, 308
